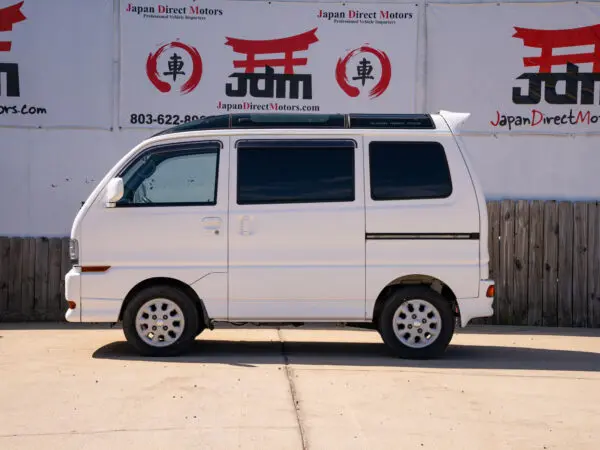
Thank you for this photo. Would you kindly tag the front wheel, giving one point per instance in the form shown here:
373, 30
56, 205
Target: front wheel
417, 323
160, 321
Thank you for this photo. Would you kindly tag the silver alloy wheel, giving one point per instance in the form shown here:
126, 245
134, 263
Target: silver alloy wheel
159, 322
417, 323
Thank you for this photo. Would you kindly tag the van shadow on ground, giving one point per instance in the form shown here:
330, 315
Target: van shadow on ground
253, 353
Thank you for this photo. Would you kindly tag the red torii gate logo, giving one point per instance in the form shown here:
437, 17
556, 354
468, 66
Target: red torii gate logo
547, 41
275, 84
8, 17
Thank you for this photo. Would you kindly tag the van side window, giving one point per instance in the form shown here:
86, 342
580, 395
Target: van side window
408, 170
295, 171
180, 176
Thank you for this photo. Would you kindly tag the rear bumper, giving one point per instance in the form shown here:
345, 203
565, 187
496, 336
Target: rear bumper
473, 308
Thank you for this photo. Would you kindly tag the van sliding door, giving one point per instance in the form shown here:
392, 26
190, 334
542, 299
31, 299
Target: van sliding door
296, 234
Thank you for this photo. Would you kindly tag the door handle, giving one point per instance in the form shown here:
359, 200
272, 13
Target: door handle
245, 226
212, 224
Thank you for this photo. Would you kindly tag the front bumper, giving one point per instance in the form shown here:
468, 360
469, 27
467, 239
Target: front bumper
73, 294
473, 308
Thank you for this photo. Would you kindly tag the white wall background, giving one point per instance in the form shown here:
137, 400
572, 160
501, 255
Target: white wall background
46, 173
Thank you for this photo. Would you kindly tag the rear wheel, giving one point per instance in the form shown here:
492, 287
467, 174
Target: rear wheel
160, 321
417, 323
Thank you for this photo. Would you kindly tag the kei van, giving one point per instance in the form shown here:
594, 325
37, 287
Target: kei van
366, 220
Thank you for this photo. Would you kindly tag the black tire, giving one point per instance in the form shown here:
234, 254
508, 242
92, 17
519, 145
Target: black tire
386, 323
201, 327
190, 314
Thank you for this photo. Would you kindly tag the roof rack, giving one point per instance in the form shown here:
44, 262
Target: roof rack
285, 120
403, 121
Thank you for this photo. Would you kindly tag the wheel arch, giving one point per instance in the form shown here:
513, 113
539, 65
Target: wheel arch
174, 283
414, 280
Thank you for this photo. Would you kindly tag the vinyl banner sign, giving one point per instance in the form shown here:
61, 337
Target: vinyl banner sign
56, 63
194, 58
516, 67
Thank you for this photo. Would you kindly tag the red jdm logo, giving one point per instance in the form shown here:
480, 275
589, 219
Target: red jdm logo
8, 17
365, 72
579, 86
274, 83
175, 68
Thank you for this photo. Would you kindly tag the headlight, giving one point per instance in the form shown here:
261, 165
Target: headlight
74, 250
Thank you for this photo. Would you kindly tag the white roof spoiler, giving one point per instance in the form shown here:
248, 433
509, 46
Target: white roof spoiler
455, 120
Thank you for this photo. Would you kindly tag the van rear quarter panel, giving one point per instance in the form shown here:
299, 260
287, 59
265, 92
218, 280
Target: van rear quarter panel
455, 262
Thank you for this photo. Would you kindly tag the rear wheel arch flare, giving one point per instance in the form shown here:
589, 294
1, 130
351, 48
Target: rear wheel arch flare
413, 280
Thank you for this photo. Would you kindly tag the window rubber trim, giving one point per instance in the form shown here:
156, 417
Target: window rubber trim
295, 143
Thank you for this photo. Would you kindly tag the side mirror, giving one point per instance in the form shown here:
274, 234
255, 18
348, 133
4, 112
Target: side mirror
114, 192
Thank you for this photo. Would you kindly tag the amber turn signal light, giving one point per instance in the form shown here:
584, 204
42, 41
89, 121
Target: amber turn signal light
94, 268
72, 305
491, 291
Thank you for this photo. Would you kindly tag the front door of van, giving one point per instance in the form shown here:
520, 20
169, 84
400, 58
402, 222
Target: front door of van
170, 223
296, 228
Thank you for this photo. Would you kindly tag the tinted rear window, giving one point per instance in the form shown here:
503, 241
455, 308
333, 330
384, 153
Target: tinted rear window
408, 170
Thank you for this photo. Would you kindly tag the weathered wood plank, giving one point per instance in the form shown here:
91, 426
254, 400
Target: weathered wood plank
593, 265
580, 308
550, 284
4, 275
15, 277
520, 264
41, 276
565, 264
507, 234
536, 264
54, 276
28, 273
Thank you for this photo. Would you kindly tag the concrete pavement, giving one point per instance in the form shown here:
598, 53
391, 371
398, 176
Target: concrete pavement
75, 387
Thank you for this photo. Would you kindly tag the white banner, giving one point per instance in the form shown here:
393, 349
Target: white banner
212, 57
516, 67
56, 63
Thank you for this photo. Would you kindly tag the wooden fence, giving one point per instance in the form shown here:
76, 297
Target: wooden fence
544, 256
32, 274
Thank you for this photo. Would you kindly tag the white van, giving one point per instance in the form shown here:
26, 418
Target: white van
369, 220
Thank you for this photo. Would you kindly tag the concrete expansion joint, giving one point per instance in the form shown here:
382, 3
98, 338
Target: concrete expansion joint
289, 372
